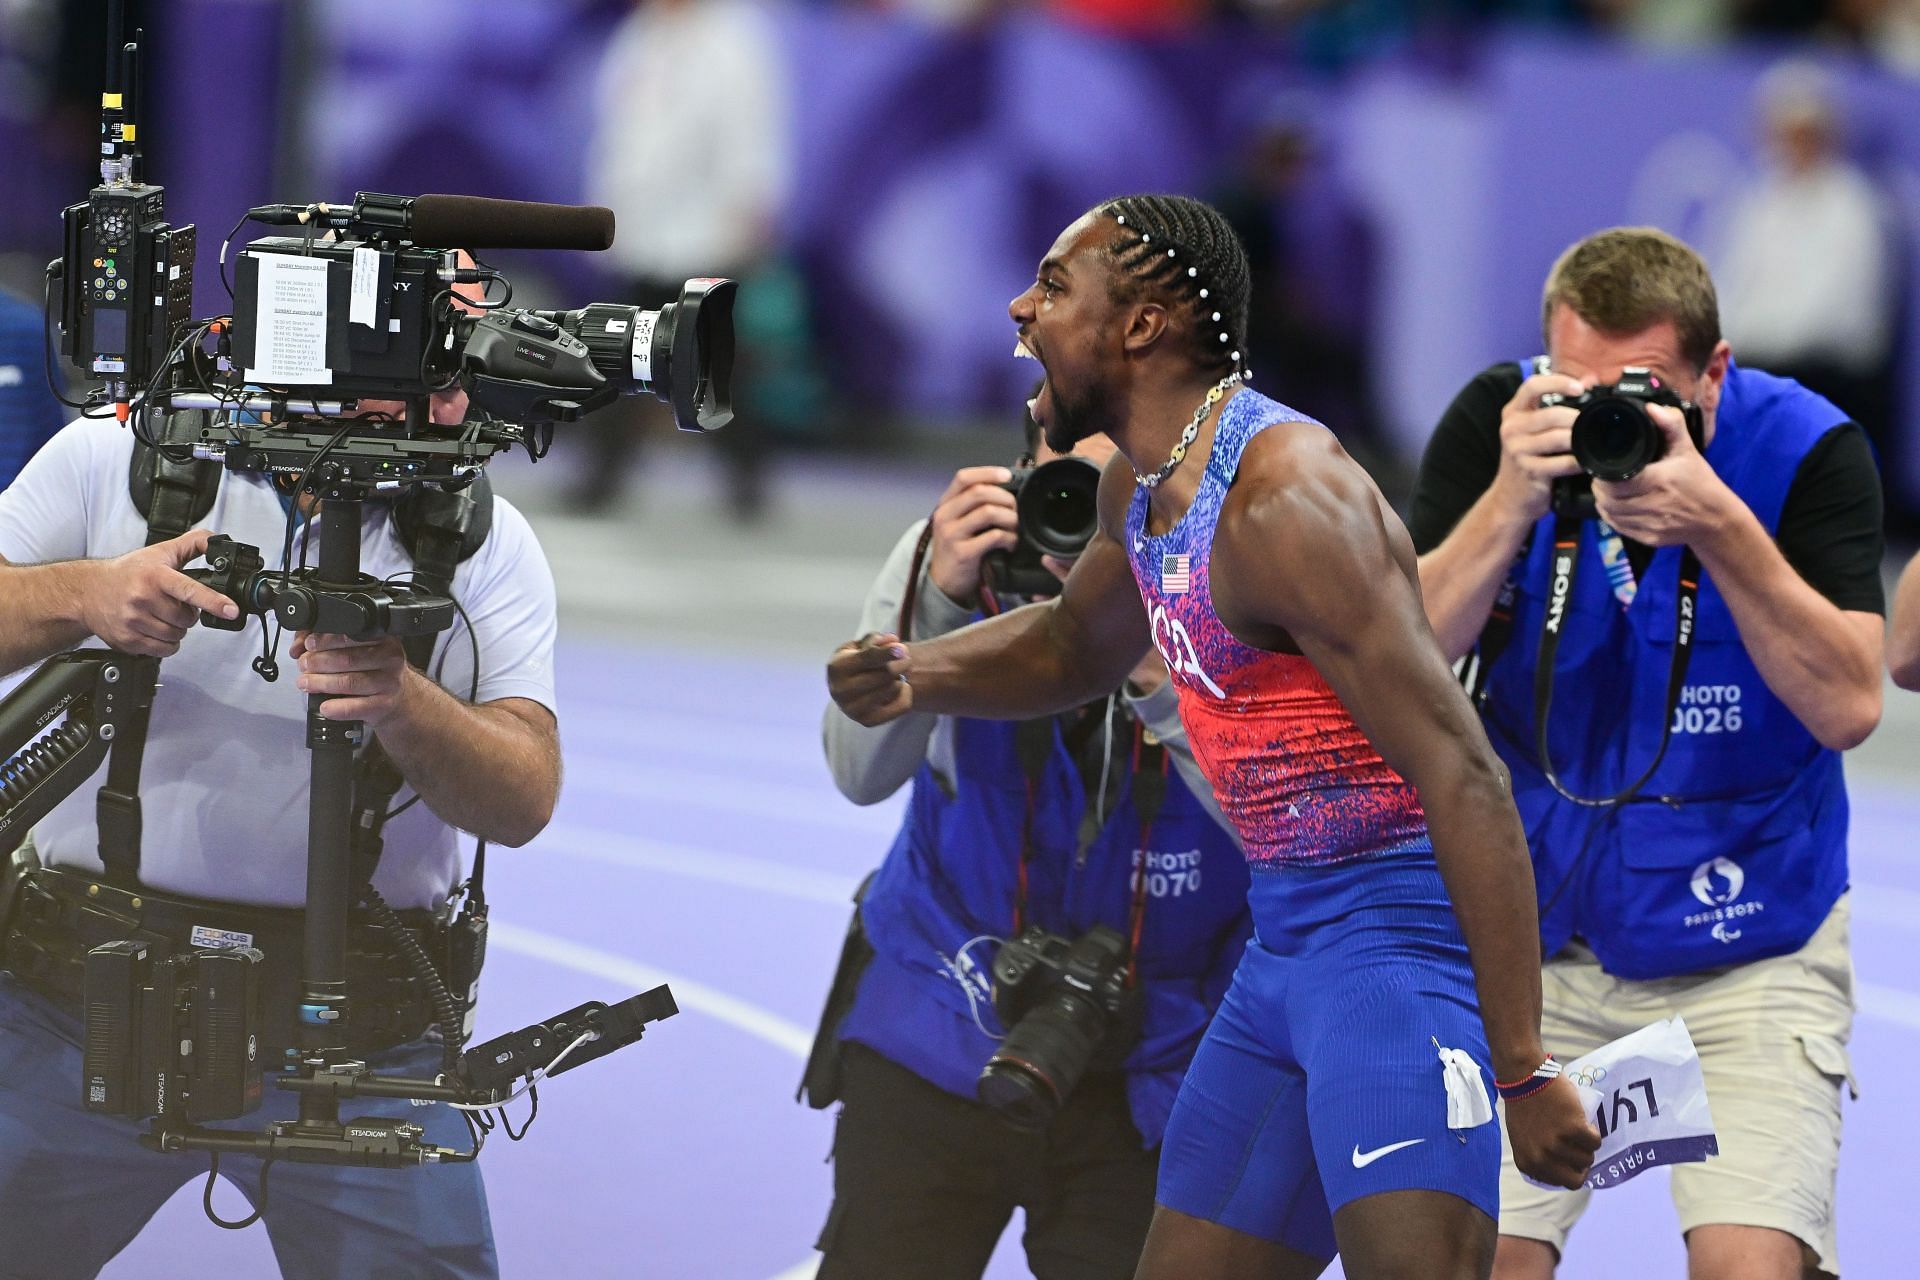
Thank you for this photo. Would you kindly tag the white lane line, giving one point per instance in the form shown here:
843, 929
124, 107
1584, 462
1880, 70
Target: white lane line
647, 778
735, 870
688, 993
698, 997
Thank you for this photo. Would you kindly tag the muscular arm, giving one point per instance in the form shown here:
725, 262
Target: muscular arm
492, 769
40, 610
1028, 662
1308, 557
1461, 576
1821, 660
137, 603
1903, 630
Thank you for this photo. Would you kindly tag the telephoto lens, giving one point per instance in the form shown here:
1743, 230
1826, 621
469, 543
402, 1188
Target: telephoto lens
1043, 1058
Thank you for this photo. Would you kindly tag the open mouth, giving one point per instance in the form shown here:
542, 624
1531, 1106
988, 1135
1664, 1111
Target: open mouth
1036, 407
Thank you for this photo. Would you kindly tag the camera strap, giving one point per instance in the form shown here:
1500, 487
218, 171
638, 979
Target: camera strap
1150, 765
173, 495
1564, 566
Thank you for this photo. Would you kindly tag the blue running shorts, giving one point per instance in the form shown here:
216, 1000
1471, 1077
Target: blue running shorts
1319, 1081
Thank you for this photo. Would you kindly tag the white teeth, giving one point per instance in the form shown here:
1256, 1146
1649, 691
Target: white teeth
1020, 352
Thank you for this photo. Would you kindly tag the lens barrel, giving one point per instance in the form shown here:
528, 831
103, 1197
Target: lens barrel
681, 353
1614, 439
1042, 1058
1058, 506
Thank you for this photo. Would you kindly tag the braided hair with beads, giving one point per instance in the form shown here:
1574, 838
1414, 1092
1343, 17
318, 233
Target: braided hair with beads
1184, 249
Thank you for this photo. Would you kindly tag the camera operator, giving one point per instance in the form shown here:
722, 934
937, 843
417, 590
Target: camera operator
1714, 888
225, 792
1066, 823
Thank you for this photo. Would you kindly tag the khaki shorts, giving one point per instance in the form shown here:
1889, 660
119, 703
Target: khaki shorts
1772, 1037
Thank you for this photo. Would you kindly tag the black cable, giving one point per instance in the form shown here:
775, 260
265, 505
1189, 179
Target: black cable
533, 1096
46, 345
446, 1010
293, 511
223, 257
259, 1204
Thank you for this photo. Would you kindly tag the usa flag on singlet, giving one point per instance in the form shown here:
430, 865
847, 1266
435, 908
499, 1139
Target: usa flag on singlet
1291, 769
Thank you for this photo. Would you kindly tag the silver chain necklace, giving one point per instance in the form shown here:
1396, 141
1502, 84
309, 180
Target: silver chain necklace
1214, 396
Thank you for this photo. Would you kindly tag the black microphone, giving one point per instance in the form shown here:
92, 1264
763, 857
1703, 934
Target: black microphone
477, 222
463, 222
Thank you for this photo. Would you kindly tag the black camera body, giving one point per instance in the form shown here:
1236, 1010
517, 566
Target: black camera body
374, 317
368, 311
1058, 508
1067, 1006
1614, 438
172, 1035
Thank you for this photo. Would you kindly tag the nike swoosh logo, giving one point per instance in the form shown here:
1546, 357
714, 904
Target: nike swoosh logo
1361, 1159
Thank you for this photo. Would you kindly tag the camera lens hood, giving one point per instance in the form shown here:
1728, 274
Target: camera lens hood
1613, 438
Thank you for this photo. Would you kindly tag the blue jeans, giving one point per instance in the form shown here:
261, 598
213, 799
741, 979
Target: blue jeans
75, 1187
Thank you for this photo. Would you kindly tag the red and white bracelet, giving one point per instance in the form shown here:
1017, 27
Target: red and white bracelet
1525, 1087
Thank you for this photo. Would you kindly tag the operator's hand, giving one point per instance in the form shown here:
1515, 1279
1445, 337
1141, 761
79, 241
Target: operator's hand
868, 678
1552, 1140
1536, 445
141, 602
974, 516
1676, 501
361, 679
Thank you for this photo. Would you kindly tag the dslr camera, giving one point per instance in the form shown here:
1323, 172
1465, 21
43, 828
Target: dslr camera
1067, 1006
1057, 505
1614, 438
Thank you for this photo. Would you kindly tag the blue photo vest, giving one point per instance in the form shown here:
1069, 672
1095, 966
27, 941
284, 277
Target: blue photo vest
951, 878
1736, 848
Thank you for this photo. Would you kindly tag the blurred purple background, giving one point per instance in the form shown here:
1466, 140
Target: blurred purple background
934, 161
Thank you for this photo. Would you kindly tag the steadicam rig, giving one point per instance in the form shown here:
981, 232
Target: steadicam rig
365, 305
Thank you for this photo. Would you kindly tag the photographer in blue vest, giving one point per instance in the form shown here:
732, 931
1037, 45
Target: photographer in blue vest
1662, 570
1032, 966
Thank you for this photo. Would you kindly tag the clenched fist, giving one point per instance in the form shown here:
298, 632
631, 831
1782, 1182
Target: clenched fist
869, 678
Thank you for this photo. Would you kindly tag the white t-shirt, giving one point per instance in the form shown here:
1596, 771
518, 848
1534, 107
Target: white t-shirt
224, 781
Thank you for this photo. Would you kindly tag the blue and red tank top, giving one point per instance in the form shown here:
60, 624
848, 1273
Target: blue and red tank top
1291, 769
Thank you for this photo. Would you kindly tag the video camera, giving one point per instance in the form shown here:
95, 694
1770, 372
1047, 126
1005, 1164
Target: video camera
1614, 438
362, 306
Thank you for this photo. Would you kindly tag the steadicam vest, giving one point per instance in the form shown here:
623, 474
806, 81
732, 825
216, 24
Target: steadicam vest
1735, 849
951, 877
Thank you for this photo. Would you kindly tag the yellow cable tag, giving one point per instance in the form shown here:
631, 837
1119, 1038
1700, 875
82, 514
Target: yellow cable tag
126, 132
111, 101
